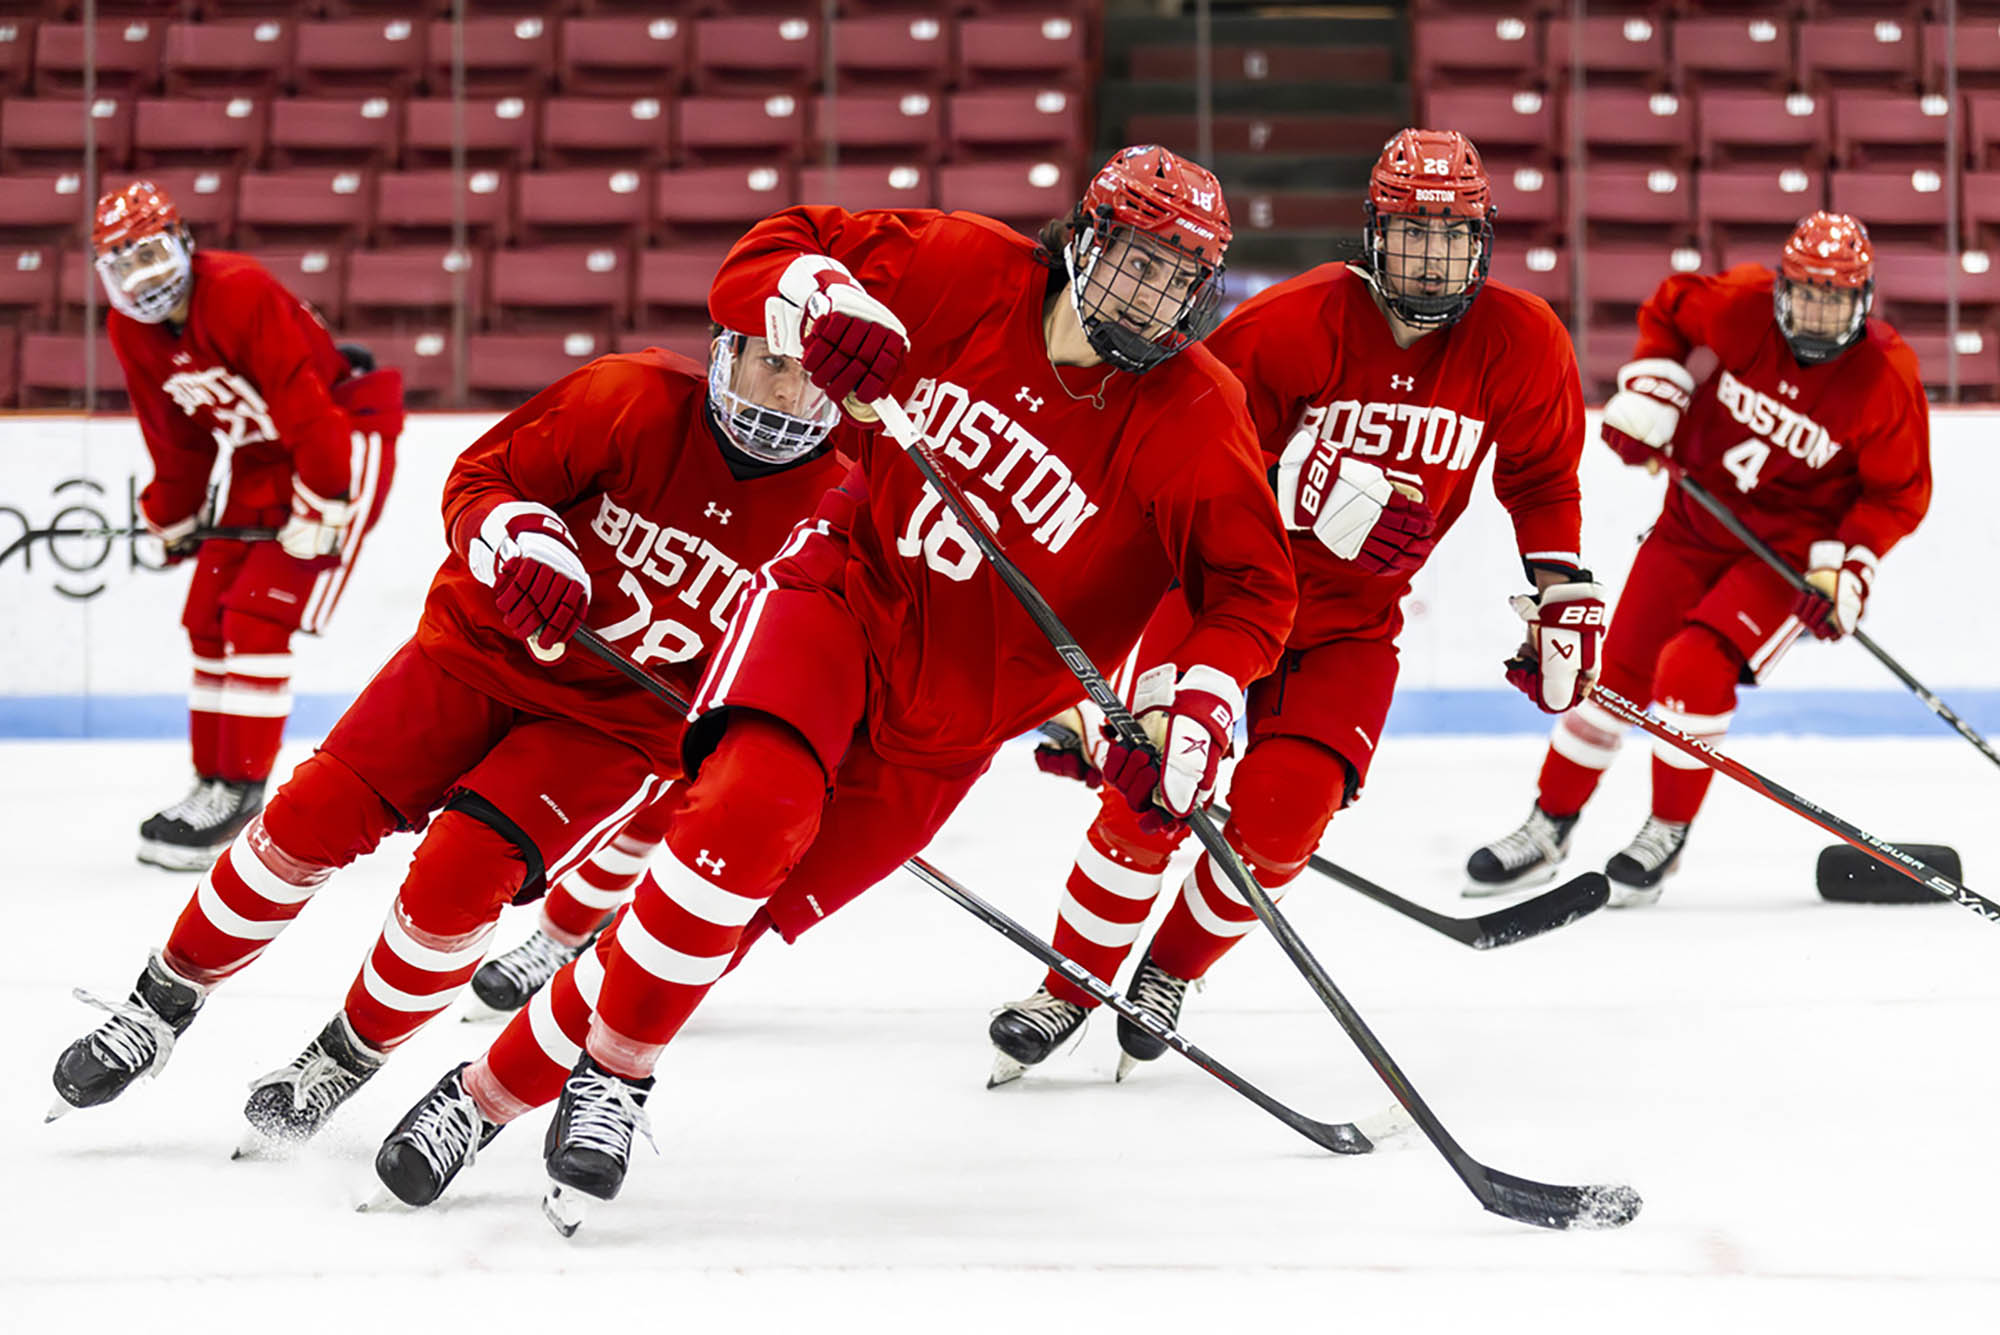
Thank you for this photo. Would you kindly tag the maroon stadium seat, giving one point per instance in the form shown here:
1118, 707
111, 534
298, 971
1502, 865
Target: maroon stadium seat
42, 206
1924, 277
1982, 128
1484, 48
1745, 126
506, 369
1029, 48
1622, 199
594, 204
1529, 200
78, 291
502, 55
1884, 197
698, 200
1625, 275
1025, 194
1977, 352
416, 206
1764, 203
1629, 123
49, 132
17, 55
194, 132
314, 274
1624, 48
628, 55
383, 55
401, 287
1292, 132
1509, 124
567, 287
247, 57
866, 186
622, 131
1542, 270
425, 359
1014, 122
292, 206
1753, 50
127, 56
205, 196
891, 51
673, 285
1871, 127
53, 372
1844, 52
902, 125
498, 131
28, 284
1975, 48
10, 366
355, 131
688, 337
766, 128
756, 54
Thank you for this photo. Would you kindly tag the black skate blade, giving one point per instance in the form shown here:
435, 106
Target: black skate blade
1127, 1064
58, 1110
1005, 1070
382, 1202
1546, 1205
478, 1012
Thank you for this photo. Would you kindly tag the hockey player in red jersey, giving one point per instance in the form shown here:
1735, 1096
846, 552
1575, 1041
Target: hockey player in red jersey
636, 496
879, 663
1378, 389
223, 364
1814, 427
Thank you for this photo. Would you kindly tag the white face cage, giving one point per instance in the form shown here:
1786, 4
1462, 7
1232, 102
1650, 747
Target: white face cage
146, 279
766, 434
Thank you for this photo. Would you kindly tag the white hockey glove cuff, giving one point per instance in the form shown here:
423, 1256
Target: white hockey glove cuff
1652, 394
1337, 499
810, 287
317, 526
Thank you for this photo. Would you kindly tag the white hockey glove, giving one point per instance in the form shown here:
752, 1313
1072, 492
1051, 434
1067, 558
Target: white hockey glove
1841, 577
317, 527
177, 539
1641, 418
1557, 664
1190, 722
852, 345
1356, 511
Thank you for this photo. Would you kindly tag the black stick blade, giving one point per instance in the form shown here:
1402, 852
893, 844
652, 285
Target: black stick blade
1546, 1205
1546, 912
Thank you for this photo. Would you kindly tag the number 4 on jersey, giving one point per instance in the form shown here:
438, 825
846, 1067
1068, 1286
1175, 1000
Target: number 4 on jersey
1745, 462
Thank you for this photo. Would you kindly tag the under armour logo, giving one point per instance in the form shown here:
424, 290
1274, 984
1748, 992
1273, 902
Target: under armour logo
1402, 382
1788, 389
712, 865
717, 513
1023, 396
182, 359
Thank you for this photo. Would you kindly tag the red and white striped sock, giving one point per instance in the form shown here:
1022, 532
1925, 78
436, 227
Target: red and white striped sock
527, 1064
205, 708
602, 885
242, 903
1104, 906
256, 699
410, 976
1208, 917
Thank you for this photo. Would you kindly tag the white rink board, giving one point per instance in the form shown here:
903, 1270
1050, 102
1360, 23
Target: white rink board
109, 630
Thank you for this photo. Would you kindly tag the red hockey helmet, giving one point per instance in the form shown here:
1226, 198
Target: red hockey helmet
1429, 234
145, 255
1825, 286
1145, 256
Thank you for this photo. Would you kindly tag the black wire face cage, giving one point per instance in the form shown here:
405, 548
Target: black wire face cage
1461, 280
1812, 349
1131, 314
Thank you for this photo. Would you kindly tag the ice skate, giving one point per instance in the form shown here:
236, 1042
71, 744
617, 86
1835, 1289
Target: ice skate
1635, 872
1025, 1032
504, 983
1158, 995
191, 834
137, 1040
589, 1144
291, 1104
442, 1134
1529, 856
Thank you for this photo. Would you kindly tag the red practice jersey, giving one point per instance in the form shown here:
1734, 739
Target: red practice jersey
250, 374
1316, 353
1103, 486
1801, 453
623, 450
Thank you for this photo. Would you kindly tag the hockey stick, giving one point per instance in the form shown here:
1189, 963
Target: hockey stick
1339, 1137
1885, 853
1575, 898
199, 535
1726, 517
1545, 1205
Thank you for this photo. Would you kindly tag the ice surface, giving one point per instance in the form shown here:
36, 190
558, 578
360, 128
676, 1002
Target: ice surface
1804, 1093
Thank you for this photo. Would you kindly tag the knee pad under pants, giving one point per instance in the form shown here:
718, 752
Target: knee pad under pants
1283, 795
325, 816
464, 872
1697, 671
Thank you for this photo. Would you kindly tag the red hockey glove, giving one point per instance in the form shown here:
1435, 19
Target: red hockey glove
539, 584
1066, 749
1352, 507
1641, 418
1841, 578
317, 527
1558, 663
851, 344
1192, 733
177, 539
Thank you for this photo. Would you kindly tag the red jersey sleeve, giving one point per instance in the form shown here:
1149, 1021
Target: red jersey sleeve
1538, 444
575, 438
183, 454
1219, 522
1693, 310
276, 356
879, 247
1894, 463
